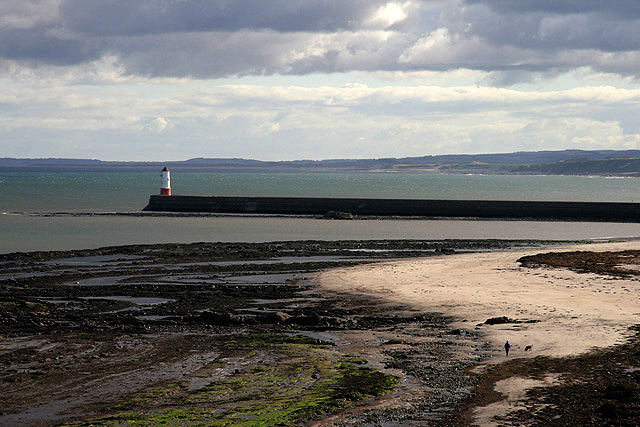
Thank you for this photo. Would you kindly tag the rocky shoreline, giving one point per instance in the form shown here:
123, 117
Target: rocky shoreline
70, 320
329, 215
217, 332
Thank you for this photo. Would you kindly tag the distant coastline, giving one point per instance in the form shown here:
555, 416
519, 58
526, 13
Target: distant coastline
625, 163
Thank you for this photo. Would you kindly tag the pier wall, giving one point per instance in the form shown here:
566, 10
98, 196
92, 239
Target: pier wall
577, 211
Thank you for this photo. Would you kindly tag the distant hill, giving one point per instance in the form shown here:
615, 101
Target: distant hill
621, 166
566, 162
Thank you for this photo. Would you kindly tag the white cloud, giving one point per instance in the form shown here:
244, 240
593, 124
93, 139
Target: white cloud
158, 124
576, 132
434, 47
290, 122
389, 14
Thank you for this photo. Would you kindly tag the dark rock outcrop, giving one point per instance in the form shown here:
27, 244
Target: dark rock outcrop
499, 320
337, 215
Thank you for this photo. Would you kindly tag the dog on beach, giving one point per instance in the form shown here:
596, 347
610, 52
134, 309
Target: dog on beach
527, 348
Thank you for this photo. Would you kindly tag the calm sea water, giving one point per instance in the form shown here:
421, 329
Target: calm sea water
24, 193
72, 192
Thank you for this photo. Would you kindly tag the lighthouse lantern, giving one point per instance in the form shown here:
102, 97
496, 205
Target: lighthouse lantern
165, 189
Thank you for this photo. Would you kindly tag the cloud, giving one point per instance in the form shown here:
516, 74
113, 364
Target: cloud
516, 41
22, 14
37, 46
134, 18
619, 8
316, 78
389, 14
164, 119
158, 124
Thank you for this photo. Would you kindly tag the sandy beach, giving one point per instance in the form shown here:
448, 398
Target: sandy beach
573, 312
559, 312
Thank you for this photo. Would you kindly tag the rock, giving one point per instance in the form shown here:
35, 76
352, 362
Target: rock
277, 317
498, 320
282, 317
619, 393
249, 320
337, 215
218, 319
608, 410
305, 320
130, 320
316, 321
445, 251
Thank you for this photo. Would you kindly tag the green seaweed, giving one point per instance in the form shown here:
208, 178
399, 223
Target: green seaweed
305, 380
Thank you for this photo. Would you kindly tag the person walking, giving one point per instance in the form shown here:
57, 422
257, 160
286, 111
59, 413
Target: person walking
507, 346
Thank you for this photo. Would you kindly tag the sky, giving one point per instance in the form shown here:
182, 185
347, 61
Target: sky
316, 79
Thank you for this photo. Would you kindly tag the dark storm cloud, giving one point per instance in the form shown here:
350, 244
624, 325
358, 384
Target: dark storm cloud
35, 45
621, 8
514, 40
127, 17
147, 32
548, 30
203, 55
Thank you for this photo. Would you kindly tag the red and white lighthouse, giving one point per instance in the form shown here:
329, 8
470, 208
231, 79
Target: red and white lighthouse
165, 190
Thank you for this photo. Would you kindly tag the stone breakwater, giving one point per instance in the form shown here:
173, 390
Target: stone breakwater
545, 210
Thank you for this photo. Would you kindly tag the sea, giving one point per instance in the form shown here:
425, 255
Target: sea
56, 210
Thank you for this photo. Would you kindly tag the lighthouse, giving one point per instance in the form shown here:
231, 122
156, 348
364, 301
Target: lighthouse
165, 190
